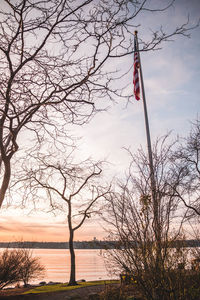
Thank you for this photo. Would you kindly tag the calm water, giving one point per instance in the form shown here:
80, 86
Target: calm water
90, 265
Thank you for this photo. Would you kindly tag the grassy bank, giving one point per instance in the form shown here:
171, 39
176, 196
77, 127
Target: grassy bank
65, 287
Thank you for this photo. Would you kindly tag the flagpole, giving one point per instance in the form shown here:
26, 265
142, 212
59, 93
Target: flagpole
146, 120
156, 221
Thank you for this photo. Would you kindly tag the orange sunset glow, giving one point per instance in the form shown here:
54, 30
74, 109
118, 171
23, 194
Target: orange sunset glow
44, 229
99, 149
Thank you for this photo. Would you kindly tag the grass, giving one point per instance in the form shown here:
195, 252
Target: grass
65, 287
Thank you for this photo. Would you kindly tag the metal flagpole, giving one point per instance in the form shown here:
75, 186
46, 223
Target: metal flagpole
151, 166
146, 120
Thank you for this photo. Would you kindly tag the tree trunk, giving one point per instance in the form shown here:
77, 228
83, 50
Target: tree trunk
6, 180
72, 280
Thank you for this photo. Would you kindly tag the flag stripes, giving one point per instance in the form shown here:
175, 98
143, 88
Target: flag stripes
136, 73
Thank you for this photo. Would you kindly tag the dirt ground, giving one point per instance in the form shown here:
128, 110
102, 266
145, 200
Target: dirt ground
83, 293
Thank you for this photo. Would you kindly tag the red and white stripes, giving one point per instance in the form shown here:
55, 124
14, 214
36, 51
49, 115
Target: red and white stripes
136, 74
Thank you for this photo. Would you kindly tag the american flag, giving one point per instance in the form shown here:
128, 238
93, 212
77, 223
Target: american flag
136, 73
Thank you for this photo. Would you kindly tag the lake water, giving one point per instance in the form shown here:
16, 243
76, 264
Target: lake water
89, 264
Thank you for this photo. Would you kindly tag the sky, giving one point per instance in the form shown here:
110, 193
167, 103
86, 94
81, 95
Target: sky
171, 78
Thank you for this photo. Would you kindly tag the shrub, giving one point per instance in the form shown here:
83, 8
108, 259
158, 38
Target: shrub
30, 267
18, 265
9, 267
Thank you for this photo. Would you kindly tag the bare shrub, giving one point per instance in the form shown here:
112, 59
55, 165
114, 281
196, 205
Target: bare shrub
18, 265
152, 253
31, 267
10, 261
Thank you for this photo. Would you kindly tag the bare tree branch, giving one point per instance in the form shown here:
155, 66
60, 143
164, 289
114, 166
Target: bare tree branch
77, 184
54, 58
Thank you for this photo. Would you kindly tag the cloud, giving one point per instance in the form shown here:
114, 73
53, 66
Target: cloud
31, 229
5, 228
43, 229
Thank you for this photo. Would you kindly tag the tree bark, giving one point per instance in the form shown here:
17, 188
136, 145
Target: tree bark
6, 180
72, 280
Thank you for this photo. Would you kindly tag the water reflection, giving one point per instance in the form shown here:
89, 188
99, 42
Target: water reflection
90, 265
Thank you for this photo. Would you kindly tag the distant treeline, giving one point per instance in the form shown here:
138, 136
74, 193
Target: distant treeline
85, 244
58, 245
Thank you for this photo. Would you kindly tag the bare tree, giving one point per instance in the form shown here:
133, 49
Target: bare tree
19, 265
157, 268
187, 170
72, 188
53, 65
9, 267
31, 267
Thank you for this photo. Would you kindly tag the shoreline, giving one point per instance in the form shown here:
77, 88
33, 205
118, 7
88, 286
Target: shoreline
54, 291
